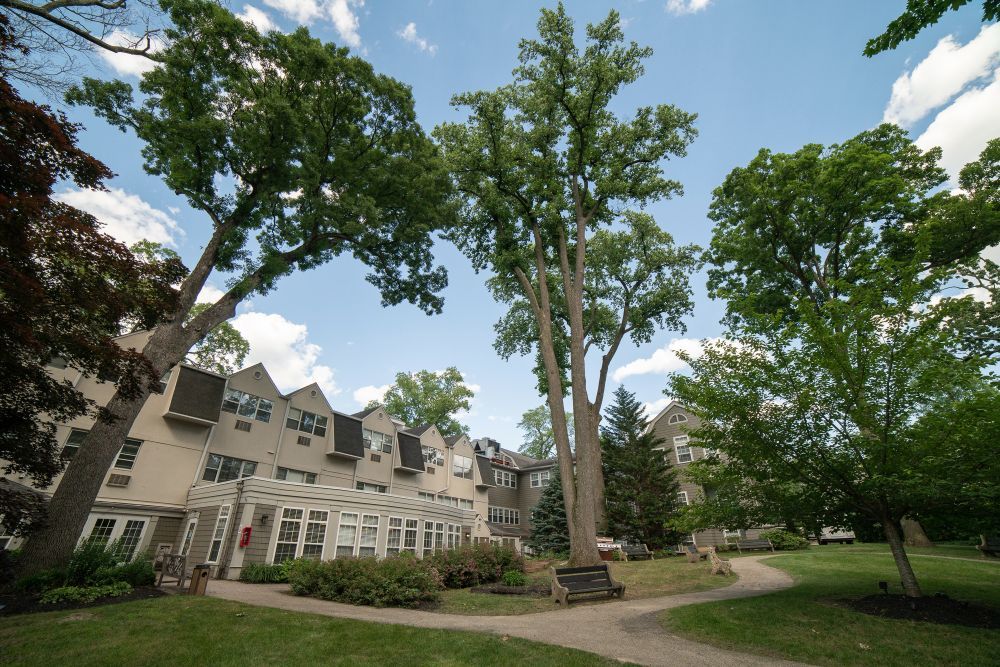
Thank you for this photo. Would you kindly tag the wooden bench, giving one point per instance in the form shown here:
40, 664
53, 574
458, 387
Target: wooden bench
753, 545
694, 554
568, 581
637, 552
990, 545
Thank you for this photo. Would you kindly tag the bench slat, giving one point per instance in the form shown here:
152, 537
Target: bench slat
577, 570
583, 576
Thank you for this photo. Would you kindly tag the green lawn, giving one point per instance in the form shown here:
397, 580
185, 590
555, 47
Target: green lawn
801, 624
180, 631
642, 579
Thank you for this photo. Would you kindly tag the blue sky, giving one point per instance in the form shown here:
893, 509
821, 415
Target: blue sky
775, 74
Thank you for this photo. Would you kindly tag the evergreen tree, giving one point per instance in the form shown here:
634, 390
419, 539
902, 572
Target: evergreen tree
641, 486
549, 528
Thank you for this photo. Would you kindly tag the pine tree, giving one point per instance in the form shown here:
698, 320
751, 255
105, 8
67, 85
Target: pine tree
549, 528
641, 485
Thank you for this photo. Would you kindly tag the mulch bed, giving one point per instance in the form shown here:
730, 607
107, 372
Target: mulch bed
28, 604
931, 609
537, 590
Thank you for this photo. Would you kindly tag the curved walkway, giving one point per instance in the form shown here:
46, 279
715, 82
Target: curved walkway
625, 630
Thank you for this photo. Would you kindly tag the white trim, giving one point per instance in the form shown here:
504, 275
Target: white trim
278, 520
361, 527
357, 532
305, 529
685, 495
215, 531
121, 520
683, 441
189, 531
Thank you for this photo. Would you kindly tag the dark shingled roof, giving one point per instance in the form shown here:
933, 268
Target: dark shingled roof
501, 530
411, 457
347, 440
485, 472
419, 430
365, 413
452, 439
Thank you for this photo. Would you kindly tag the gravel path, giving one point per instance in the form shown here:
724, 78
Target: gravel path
624, 630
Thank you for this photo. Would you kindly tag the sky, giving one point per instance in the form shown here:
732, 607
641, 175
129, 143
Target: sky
778, 74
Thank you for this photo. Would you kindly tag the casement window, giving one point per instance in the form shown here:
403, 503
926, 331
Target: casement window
73, 443
682, 498
394, 536
102, 531
410, 536
247, 405
298, 476
433, 456
423, 495
377, 488
377, 441
505, 478
127, 454
294, 540
347, 534
225, 468
439, 536
315, 537
540, 478
219, 534
126, 532
307, 422
428, 537
188, 536
369, 535
677, 419
504, 515
462, 467
454, 536
682, 445
289, 530
130, 537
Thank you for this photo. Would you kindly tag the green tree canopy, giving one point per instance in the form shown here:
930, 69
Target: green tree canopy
429, 397
918, 15
536, 424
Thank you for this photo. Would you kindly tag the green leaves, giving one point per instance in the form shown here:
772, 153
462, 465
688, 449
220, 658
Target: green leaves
429, 397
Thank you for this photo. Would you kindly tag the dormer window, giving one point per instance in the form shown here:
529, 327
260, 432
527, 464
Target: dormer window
247, 405
677, 419
377, 441
307, 422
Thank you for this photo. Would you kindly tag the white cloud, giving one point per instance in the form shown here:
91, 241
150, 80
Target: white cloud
345, 20
662, 361
340, 12
127, 64
946, 70
302, 11
409, 34
653, 408
126, 217
681, 7
258, 18
209, 294
963, 128
284, 349
366, 395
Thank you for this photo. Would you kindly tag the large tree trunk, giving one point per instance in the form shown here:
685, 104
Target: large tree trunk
914, 535
906, 577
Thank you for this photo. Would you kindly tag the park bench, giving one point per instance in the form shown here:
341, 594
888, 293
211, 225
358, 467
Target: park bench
637, 552
719, 565
568, 581
990, 545
753, 545
694, 554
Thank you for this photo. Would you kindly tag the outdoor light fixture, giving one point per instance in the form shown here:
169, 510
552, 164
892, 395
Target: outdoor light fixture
884, 586
263, 519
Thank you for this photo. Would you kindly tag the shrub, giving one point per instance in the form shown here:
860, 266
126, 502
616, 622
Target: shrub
474, 564
514, 578
396, 581
785, 540
85, 593
138, 572
262, 573
42, 581
89, 558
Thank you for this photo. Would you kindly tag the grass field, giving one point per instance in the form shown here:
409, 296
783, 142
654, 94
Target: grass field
801, 623
183, 631
642, 579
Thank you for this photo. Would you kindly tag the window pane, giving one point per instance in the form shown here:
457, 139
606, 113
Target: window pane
230, 469
232, 401
126, 457
248, 405
293, 418
102, 530
130, 538
308, 422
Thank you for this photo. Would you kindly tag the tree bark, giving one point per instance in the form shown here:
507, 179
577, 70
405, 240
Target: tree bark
914, 535
906, 576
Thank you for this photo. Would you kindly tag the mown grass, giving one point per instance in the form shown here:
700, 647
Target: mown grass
803, 623
189, 631
642, 579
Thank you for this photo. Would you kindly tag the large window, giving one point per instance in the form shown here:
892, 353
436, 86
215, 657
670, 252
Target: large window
505, 478
410, 536
307, 422
73, 442
540, 478
315, 537
126, 532
433, 456
129, 539
504, 515
677, 419
219, 534
454, 502
377, 441
682, 445
127, 454
682, 497
225, 468
347, 534
369, 535
102, 531
428, 537
454, 536
288, 534
299, 476
394, 538
294, 542
188, 536
247, 405
462, 467
377, 488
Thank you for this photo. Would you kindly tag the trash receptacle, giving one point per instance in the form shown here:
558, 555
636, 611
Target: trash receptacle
199, 579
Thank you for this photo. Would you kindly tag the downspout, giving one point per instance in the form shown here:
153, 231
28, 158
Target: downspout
228, 551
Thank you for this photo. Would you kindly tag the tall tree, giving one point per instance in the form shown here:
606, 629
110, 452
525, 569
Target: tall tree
539, 440
549, 525
642, 486
429, 397
547, 169
294, 153
66, 287
833, 263
918, 15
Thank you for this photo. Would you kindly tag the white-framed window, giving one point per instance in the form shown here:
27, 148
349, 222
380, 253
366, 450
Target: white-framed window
247, 405
433, 456
394, 536
219, 534
423, 495
73, 441
410, 535
428, 537
188, 535
377, 441
314, 538
677, 419
682, 498
307, 422
220, 468
128, 453
299, 476
505, 478
347, 534
369, 535
504, 515
540, 478
454, 536
366, 486
682, 446
461, 466
127, 531
289, 532
102, 530
438, 536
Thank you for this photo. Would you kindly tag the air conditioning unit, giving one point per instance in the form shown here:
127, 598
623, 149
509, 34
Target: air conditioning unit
119, 480
377, 458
